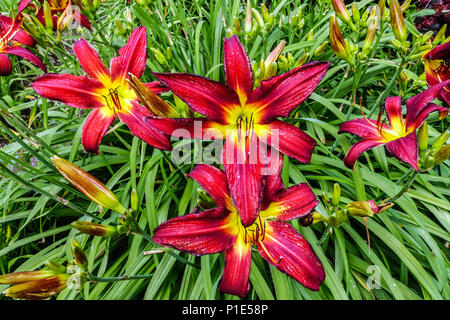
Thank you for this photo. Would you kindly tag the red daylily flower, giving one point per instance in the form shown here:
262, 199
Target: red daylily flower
11, 37
56, 7
106, 91
400, 135
437, 69
220, 230
246, 118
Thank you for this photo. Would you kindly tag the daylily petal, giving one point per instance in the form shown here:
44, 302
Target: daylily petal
22, 5
156, 87
415, 104
5, 65
90, 61
439, 52
134, 118
95, 127
132, 57
210, 98
287, 250
393, 106
290, 140
405, 149
82, 20
274, 183
425, 112
24, 38
433, 79
20, 36
292, 203
214, 181
362, 128
357, 149
28, 55
74, 91
244, 171
195, 128
201, 233
238, 71
279, 95
238, 260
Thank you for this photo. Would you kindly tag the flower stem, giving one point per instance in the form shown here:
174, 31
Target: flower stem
404, 189
148, 237
120, 278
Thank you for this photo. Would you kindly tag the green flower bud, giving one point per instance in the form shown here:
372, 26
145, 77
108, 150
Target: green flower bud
79, 255
441, 140
320, 49
355, 13
94, 229
47, 16
423, 138
134, 200
336, 198
442, 154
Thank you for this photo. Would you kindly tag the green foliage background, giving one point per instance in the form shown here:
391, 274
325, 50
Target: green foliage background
407, 242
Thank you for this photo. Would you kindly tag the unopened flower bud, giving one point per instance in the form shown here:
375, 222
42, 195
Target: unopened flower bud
442, 154
342, 12
94, 229
38, 289
25, 276
248, 19
405, 5
237, 26
355, 13
160, 57
78, 255
303, 59
320, 49
422, 137
119, 26
382, 6
336, 198
47, 16
88, 184
368, 41
397, 21
440, 36
259, 19
337, 42
151, 101
134, 200
366, 208
441, 140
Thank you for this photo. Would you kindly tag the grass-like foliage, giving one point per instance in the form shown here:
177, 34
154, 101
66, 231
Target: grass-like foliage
399, 253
